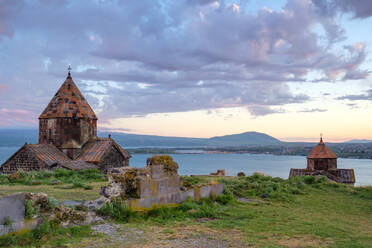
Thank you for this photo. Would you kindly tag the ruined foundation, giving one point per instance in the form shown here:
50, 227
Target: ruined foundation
152, 186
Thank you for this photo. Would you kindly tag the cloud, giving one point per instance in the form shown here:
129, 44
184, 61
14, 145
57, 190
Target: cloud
2, 88
151, 56
263, 110
106, 129
9, 117
358, 8
312, 110
362, 97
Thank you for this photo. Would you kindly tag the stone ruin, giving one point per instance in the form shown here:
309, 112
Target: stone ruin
158, 183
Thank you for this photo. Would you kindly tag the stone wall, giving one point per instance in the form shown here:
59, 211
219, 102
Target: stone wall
67, 133
12, 214
23, 159
151, 186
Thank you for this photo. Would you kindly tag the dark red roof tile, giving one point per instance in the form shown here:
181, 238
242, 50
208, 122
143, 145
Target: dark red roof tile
68, 102
321, 151
94, 151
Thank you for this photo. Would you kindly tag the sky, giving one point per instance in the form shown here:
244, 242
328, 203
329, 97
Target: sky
194, 68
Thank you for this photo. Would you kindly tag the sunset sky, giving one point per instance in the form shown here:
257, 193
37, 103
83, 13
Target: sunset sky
194, 68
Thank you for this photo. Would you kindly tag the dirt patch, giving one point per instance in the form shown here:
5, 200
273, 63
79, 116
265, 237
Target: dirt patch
196, 236
191, 236
304, 241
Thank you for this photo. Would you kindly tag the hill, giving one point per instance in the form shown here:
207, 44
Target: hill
359, 141
17, 137
244, 139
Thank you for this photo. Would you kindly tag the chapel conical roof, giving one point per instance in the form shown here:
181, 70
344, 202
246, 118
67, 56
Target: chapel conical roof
321, 151
68, 102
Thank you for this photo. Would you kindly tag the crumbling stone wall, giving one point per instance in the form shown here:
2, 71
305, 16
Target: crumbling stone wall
156, 184
150, 181
24, 160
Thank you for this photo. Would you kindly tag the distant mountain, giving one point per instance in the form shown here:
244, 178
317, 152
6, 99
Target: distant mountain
139, 140
17, 137
244, 139
359, 141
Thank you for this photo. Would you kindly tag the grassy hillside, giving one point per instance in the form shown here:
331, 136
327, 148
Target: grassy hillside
266, 212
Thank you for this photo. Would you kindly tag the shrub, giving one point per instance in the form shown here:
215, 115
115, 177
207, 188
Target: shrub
309, 179
225, 198
43, 229
29, 209
53, 202
8, 221
3, 179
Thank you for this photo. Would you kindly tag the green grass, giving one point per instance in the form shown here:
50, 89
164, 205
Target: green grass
60, 192
58, 176
47, 234
300, 212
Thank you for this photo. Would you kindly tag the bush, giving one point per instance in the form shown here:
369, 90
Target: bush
225, 198
309, 179
30, 211
8, 221
43, 229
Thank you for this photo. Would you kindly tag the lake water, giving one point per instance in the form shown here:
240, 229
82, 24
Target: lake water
276, 166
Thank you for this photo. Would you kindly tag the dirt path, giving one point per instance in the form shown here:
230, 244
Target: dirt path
190, 236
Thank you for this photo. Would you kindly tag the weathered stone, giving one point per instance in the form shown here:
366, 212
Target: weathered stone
152, 186
96, 204
12, 207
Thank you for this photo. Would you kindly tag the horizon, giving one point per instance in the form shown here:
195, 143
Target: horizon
290, 139
291, 69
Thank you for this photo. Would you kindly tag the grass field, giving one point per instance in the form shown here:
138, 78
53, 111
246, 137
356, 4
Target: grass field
60, 192
271, 212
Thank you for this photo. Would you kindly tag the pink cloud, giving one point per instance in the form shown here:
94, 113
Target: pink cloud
11, 117
2, 88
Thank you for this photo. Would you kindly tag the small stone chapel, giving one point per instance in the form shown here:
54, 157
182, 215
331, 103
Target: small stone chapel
68, 138
322, 161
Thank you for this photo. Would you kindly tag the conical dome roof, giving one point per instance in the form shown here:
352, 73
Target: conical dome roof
68, 102
321, 151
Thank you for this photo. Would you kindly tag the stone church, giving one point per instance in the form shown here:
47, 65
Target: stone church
322, 161
68, 138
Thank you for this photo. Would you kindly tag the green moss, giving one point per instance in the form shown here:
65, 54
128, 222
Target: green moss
170, 166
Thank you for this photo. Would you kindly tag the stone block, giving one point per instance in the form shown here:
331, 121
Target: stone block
157, 187
205, 191
157, 171
13, 207
217, 189
186, 194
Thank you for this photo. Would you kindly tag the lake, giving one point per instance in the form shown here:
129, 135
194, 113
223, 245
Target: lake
273, 165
